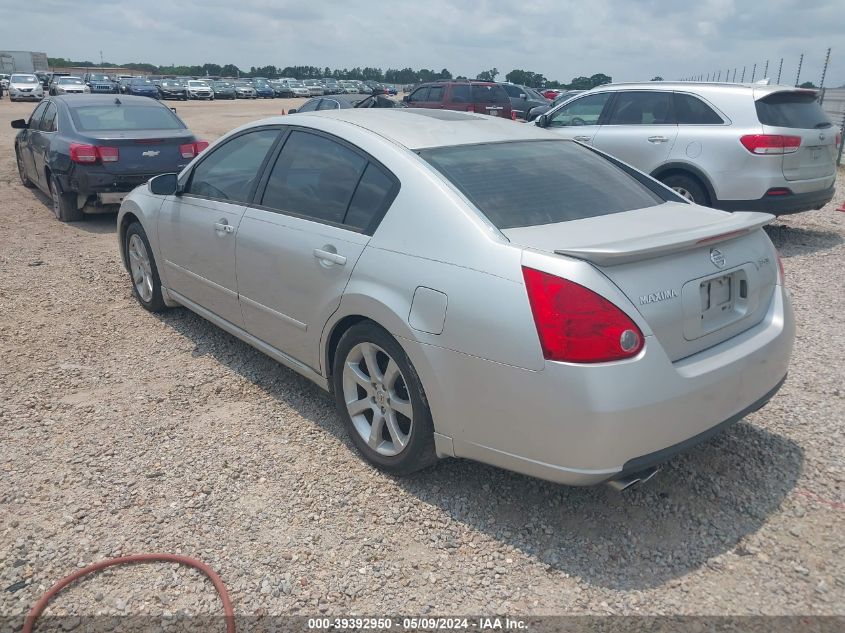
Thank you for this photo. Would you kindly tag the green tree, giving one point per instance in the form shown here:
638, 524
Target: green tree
487, 75
657, 78
808, 84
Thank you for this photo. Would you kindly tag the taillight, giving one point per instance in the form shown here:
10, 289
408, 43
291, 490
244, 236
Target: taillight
471, 108
770, 143
577, 325
90, 154
108, 154
780, 268
838, 139
81, 153
189, 150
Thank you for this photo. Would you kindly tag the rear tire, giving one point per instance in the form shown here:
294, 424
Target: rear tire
391, 426
688, 187
64, 204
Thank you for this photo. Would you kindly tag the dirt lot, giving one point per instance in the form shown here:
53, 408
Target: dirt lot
124, 432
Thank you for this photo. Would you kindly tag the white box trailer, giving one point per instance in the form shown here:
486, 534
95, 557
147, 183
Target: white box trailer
22, 61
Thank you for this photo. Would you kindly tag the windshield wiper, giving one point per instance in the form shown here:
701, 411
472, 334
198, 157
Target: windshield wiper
823, 124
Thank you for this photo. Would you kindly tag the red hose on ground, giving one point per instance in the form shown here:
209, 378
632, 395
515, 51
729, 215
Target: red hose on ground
136, 558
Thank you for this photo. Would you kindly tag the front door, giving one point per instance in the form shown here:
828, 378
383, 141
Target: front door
197, 229
25, 145
298, 246
579, 119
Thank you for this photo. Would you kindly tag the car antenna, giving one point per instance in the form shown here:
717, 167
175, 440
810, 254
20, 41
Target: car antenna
117, 101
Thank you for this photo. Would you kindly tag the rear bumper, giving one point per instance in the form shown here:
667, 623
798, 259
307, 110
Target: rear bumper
781, 205
92, 181
585, 424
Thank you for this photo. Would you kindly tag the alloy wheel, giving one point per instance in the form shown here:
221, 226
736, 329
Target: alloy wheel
140, 268
377, 399
684, 193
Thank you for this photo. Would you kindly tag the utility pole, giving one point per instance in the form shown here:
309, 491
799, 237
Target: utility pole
742, 81
753, 73
734, 77
766, 71
780, 68
824, 69
800, 62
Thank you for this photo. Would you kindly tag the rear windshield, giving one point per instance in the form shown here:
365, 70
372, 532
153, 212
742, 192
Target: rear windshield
792, 109
123, 117
528, 183
489, 94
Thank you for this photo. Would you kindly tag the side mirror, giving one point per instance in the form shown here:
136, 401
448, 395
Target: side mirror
164, 184
523, 96
20, 124
542, 121
174, 110
292, 111
406, 98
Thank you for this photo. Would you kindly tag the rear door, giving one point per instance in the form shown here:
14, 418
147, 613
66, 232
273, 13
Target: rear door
640, 130
197, 230
580, 118
298, 244
797, 113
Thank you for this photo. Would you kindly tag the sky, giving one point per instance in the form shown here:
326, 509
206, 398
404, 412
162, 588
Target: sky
630, 40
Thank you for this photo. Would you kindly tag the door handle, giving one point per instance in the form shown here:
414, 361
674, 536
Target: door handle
658, 139
224, 227
583, 139
327, 256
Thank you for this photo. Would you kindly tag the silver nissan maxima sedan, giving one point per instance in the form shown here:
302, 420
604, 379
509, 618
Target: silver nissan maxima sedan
469, 287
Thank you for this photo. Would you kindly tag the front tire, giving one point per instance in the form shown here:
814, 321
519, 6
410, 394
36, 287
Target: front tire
64, 203
381, 400
143, 272
687, 187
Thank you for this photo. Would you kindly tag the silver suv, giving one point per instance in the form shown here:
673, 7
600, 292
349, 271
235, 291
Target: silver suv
748, 147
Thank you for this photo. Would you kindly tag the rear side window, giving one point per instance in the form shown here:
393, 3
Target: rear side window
314, 177
792, 109
642, 108
329, 104
374, 193
493, 93
528, 183
48, 121
124, 117
691, 110
461, 93
310, 106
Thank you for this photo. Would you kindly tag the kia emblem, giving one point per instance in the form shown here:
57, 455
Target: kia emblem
717, 258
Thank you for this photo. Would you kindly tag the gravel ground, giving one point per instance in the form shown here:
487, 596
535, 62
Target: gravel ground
124, 432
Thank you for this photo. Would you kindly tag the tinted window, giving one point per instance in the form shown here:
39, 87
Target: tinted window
792, 109
229, 171
527, 183
642, 108
513, 91
583, 111
373, 192
494, 93
315, 177
461, 93
48, 121
125, 117
35, 117
693, 111
418, 95
309, 106
435, 93
329, 104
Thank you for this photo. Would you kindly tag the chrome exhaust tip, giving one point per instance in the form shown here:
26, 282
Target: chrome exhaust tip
622, 483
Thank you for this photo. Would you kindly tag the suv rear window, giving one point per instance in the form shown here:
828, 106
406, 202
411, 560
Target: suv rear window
792, 109
528, 183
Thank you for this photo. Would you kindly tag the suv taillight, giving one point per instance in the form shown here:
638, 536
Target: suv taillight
577, 325
838, 139
471, 108
770, 143
90, 154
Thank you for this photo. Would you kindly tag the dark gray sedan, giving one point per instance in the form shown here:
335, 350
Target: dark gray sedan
342, 102
89, 151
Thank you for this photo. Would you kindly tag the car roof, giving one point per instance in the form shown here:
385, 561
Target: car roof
418, 128
702, 86
80, 100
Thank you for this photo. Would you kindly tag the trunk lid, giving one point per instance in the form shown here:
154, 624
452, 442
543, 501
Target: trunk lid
798, 113
697, 276
143, 152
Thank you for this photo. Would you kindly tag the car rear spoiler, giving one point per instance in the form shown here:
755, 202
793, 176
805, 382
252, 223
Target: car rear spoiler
658, 244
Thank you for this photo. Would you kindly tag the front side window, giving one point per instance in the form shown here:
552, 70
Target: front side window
230, 170
642, 108
310, 106
513, 91
314, 177
529, 183
418, 95
329, 104
48, 121
584, 111
435, 94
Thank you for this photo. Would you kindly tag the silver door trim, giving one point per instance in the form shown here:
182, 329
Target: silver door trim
276, 354
278, 315
193, 275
